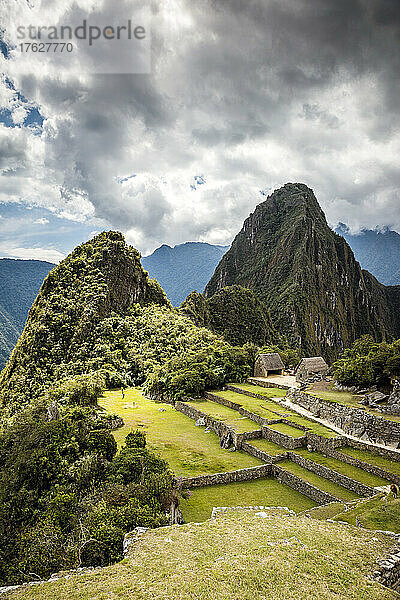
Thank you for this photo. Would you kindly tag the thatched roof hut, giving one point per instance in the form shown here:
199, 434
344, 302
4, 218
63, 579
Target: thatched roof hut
268, 364
308, 367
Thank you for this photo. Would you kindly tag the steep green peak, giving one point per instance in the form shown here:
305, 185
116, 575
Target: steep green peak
293, 199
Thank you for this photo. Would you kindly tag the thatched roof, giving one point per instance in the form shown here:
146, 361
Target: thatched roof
271, 362
313, 365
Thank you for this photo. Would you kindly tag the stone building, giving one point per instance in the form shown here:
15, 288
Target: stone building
268, 364
311, 367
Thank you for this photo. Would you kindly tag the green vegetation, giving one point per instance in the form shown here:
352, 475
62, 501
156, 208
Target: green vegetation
272, 410
237, 556
262, 391
341, 467
371, 457
313, 426
289, 257
98, 322
263, 408
320, 482
287, 429
234, 312
259, 492
189, 450
222, 413
380, 512
368, 363
98, 314
267, 446
66, 500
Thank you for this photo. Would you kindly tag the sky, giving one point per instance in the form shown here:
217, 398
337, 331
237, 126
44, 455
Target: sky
241, 97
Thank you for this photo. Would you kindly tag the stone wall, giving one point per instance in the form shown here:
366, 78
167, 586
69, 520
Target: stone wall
219, 427
388, 573
343, 480
238, 407
302, 486
282, 439
221, 400
323, 444
351, 460
228, 477
353, 421
267, 458
267, 384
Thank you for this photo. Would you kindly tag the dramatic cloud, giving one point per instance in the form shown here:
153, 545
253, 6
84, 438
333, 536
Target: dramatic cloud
242, 97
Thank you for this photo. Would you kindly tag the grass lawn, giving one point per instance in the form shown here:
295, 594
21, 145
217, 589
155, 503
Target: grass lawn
341, 467
228, 415
261, 492
264, 408
382, 512
373, 459
287, 429
316, 428
262, 391
187, 448
320, 482
268, 408
237, 557
268, 447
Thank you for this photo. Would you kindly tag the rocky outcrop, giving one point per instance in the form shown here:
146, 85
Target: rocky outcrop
353, 421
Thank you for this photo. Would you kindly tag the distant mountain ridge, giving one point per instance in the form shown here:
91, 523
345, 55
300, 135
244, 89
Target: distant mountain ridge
376, 250
307, 276
183, 268
20, 281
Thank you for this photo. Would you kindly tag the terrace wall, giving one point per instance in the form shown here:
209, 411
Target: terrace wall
229, 477
302, 486
327, 473
356, 462
264, 456
282, 439
219, 427
353, 421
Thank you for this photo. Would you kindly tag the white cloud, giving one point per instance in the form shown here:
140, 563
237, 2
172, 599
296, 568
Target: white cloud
248, 94
46, 254
42, 221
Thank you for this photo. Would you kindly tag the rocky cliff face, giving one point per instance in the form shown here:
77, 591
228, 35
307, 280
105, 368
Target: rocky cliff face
307, 276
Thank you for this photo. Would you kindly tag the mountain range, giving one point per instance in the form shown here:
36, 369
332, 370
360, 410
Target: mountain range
183, 268
187, 267
377, 250
20, 281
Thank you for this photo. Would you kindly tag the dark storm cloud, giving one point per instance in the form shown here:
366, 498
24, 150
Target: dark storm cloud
252, 94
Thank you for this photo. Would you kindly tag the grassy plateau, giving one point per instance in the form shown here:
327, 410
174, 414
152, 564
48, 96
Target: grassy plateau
238, 556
